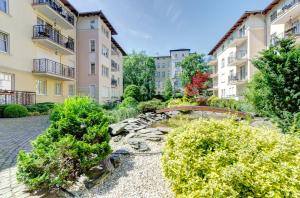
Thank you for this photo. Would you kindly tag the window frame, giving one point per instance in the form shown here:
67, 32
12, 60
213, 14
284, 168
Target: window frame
6, 11
60, 90
90, 72
38, 85
92, 50
6, 42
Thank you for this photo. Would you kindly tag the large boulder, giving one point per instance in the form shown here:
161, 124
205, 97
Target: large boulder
117, 129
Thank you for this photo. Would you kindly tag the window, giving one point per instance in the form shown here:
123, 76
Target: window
105, 51
223, 93
105, 31
158, 65
41, 87
6, 81
92, 91
163, 65
58, 88
3, 42
4, 6
223, 63
92, 68
93, 24
158, 74
71, 90
92, 45
243, 72
105, 71
163, 74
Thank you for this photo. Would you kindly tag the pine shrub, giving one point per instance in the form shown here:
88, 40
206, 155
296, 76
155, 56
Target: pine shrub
213, 158
76, 140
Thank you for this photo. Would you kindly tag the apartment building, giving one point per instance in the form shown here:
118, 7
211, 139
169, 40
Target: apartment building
100, 57
168, 67
231, 56
282, 19
37, 51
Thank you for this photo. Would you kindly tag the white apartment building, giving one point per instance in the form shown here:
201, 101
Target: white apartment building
100, 58
169, 67
231, 57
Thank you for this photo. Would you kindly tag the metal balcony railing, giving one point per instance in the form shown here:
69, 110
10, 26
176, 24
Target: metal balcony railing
237, 56
45, 31
285, 7
51, 67
57, 7
17, 97
236, 77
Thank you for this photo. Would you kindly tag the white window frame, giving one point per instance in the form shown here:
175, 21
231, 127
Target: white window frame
60, 90
6, 8
6, 42
105, 51
93, 24
92, 50
38, 90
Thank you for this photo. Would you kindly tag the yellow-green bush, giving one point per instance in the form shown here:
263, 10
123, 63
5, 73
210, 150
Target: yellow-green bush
180, 102
213, 158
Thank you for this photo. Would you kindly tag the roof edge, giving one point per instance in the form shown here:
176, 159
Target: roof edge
118, 46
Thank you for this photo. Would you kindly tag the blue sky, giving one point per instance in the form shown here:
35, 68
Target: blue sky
156, 26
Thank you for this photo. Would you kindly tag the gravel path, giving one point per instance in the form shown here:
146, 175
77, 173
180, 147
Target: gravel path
139, 176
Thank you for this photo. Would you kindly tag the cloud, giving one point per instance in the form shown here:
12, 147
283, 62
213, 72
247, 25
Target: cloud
139, 34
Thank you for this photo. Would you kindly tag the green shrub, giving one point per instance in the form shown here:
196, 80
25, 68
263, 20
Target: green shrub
2, 107
15, 111
76, 140
40, 107
118, 115
132, 91
150, 106
180, 102
128, 102
295, 128
213, 158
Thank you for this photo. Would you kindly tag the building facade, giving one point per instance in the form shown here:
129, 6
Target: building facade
231, 57
168, 67
37, 51
100, 57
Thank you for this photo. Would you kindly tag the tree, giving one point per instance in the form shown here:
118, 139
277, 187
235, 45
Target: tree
191, 65
277, 89
168, 89
198, 84
139, 70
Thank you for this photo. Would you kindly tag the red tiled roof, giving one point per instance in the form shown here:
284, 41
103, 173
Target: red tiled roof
102, 16
233, 28
70, 6
271, 6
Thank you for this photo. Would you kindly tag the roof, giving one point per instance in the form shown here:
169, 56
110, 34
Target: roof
70, 6
102, 16
234, 27
271, 6
118, 46
162, 57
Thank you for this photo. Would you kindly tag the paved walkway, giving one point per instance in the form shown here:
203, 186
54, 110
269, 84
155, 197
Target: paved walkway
16, 134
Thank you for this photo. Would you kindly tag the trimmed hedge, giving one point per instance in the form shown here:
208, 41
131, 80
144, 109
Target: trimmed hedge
15, 111
2, 107
76, 141
213, 158
40, 107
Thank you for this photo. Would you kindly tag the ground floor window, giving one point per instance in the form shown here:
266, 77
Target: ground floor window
6, 81
41, 87
58, 88
92, 90
71, 90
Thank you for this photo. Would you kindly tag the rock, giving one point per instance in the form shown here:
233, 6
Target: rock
115, 160
164, 130
116, 129
122, 152
154, 138
148, 130
117, 138
143, 147
138, 145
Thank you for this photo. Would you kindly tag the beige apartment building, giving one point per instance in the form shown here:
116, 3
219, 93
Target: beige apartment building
37, 50
100, 57
231, 56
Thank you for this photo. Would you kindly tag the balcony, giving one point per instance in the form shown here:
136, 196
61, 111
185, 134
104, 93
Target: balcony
49, 68
52, 39
114, 83
240, 58
56, 12
17, 97
236, 79
114, 66
289, 10
238, 40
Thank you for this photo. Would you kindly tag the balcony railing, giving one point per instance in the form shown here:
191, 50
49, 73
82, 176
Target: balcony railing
17, 97
295, 30
53, 68
236, 77
287, 5
239, 55
47, 32
114, 83
57, 7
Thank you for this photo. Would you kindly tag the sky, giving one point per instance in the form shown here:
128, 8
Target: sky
156, 26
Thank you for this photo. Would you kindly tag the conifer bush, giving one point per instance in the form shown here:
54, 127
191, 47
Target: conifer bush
213, 158
76, 141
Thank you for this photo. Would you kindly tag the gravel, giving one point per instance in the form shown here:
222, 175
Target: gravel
139, 176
